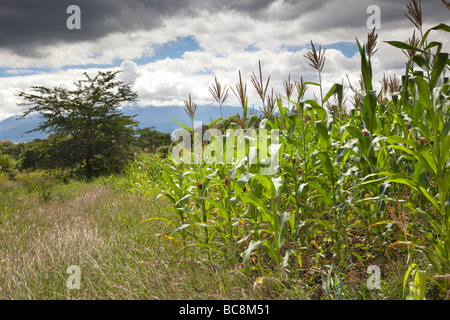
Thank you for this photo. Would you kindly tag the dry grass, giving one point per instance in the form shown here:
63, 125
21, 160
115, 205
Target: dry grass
99, 230
40, 240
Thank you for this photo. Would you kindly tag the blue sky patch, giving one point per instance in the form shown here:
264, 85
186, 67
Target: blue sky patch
11, 72
171, 50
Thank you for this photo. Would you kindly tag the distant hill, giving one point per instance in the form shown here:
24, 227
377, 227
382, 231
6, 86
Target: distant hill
158, 117
13, 129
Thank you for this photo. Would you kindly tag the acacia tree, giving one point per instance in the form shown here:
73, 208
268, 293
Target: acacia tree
89, 132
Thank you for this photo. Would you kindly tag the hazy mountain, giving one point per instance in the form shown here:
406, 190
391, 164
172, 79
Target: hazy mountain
13, 129
158, 117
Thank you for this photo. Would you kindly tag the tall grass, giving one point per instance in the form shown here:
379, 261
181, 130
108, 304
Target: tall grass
98, 227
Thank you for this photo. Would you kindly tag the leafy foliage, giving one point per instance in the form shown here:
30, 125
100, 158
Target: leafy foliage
90, 132
349, 185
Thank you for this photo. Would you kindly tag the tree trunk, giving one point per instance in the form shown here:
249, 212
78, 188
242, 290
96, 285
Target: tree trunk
89, 172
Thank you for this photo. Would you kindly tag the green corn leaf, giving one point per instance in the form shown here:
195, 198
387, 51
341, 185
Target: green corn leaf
245, 109
312, 83
283, 218
281, 109
355, 132
439, 63
184, 126
273, 252
325, 194
401, 178
285, 259
224, 212
428, 159
335, 89
182, 227
252, 121
420, 61
445, 153
253, 245
424, 93
366, 69
405, 279
421, 281
213, 123
441, 26
402, 45
433, 44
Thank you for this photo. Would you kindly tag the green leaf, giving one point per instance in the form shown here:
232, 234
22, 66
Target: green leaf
325, 194
182, 227
159, 218
439, 63
445, 153
433, 44
424, 93
420, 61
225, 213
366, 69
275, 254
401, 178
355, 132
253, 245
441, 26
405, 279
359, 258
402, 45
336, 88
186, 127
253, 119
213, 123
271, 185
312, 83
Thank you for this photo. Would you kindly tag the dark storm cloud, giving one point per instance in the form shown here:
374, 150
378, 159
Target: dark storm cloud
25, 25
250, 5
341, 14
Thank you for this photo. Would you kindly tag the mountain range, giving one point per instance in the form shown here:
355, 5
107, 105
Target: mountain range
157, 117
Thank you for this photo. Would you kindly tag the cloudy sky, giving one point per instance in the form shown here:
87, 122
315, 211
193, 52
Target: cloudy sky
170, 49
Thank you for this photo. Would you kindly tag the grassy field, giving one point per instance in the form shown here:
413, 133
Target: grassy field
98, 229
47, 226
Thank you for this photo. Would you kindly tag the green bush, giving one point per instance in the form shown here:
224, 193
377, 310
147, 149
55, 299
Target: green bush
8, 165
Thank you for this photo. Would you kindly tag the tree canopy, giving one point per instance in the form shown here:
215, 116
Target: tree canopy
89, 132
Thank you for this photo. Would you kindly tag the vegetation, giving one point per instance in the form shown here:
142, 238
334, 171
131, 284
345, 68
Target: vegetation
47, 225
353, 190
90, 133
154, 141
98, 229
352, 185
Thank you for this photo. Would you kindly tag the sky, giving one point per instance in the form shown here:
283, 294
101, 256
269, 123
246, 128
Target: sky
170, 49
